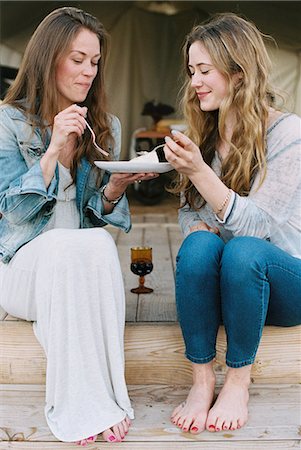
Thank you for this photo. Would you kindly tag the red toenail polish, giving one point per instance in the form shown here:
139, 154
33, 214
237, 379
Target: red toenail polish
217, 429
112, 438
194, 429
212, 427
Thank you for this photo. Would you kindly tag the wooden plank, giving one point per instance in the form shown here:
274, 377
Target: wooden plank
159, 445
124, 244
154, 353
160, 304
273, 416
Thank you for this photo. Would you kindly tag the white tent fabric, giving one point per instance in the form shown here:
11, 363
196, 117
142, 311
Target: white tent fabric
146, 62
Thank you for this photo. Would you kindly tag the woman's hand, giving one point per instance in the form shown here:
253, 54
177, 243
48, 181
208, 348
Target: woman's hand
202, 226
120, 181
183, 154
67, 125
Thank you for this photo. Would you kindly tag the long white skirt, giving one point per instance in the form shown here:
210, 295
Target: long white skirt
69, 283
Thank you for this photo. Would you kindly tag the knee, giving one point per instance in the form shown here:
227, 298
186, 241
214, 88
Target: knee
66, 245
242, 255
199, 252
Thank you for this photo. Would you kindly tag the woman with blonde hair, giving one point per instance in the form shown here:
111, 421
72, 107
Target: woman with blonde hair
240, 183
58, 267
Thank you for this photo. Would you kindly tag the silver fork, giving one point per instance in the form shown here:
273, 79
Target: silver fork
104, 152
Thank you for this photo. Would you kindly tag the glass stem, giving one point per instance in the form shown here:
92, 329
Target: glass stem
141, 280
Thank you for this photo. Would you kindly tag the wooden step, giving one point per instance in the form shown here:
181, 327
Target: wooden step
240, 445
273, 421
154, 355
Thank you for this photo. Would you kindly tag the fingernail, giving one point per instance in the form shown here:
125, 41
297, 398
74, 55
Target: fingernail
167, 138
174, 131
194, 429
112, 438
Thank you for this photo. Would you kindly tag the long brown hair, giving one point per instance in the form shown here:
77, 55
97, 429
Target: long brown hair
34, 89
235, 46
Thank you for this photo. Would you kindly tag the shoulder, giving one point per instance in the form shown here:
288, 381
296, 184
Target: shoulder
115, 124
11, 112
285, 123
284, 135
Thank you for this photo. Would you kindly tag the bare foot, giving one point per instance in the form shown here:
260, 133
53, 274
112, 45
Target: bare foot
114, 434
230, 410
118, 432
89, 440
191, 415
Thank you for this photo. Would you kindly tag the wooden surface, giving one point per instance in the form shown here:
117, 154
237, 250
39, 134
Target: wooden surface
155, 367
274, 416
165, 239
158, 445
149, 347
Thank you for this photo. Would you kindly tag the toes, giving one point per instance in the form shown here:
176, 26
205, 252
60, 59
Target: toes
109, 436
233, 425
177, 410
128, 422
187, 423
226, 425
219, 424
197, 427
119, 431
210, 424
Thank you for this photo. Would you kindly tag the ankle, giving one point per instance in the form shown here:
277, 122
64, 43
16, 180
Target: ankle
203, 374
239, 376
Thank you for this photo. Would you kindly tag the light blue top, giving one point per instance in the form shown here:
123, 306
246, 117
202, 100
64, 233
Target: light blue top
26, 206
272, 212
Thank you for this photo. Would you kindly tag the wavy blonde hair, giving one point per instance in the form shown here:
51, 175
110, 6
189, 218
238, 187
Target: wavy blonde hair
235, 46
34, 89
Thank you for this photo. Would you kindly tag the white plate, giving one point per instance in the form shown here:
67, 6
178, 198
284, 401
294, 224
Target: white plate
134, 166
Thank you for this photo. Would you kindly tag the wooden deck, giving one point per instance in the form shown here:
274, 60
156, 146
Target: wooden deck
162, 233
157, 372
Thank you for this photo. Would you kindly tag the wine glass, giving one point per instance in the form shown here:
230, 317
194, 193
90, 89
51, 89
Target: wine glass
141, 264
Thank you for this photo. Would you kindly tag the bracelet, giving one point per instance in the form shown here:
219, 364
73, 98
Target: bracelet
104, 197
227, 198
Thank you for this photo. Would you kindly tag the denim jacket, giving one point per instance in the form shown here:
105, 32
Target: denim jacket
25, 204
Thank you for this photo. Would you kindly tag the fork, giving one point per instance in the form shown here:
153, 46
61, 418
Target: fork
104, 152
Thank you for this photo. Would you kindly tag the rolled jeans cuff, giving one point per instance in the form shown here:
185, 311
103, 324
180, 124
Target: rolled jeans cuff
237, 365
200, 360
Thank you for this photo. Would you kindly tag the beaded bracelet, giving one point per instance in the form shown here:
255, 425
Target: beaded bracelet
103, 195
227, 198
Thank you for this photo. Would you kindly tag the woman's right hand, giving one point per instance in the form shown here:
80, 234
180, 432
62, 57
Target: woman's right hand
70, 121
67, 124
202, 226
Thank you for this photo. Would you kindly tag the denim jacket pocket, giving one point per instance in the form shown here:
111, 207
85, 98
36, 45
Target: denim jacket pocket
31, 151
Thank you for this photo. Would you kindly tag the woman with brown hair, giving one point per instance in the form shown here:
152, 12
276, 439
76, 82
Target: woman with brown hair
59, 268
240, 185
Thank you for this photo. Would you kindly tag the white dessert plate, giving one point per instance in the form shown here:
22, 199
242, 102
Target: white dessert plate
134, 166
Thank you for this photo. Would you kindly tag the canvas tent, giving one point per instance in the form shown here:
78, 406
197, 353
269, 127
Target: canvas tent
146, 38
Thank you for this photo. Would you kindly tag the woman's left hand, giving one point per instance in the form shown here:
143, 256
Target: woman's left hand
183, 154
119, 182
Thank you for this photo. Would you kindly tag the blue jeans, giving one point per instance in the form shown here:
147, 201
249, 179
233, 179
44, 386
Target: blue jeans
243, 284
